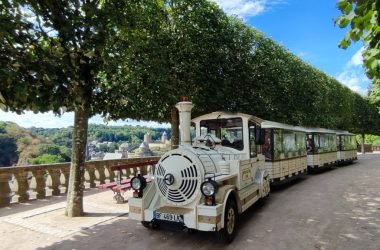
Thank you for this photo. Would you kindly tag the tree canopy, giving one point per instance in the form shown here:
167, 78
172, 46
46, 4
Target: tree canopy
69, 56
364, 20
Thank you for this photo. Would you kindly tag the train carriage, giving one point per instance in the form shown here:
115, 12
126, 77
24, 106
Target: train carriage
321, 148
285, 151
346, 147
206, 185
227, 167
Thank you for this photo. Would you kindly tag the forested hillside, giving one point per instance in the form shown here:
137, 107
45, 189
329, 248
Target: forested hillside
19, 146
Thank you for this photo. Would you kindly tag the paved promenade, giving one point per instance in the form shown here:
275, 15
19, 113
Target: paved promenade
337, 209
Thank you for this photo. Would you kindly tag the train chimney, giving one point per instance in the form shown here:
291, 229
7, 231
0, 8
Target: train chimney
184, 107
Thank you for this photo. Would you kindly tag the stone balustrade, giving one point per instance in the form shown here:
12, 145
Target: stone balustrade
23, 183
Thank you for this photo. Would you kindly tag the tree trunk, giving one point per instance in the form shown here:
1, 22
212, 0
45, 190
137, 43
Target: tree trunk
74, 205
363, 148
175, 128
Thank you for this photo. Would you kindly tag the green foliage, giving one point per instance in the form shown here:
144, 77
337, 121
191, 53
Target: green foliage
48, 149
364, 20
369, 139
8, 150
47, 158
19, 145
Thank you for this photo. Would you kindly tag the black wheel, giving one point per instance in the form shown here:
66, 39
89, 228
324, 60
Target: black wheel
227, 234
155, 224
146, 224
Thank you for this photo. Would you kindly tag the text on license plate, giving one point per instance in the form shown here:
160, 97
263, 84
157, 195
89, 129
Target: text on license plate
168, 217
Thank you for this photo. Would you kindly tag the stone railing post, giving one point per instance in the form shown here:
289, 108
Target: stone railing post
110, 175
22, 186
53, 181
65, 179
38, 183
100, 174
5, 190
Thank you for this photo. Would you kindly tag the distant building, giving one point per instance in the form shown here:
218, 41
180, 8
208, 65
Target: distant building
143, 150
147, 138
122, 153
164, 137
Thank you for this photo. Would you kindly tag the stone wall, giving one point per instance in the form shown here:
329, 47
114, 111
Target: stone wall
24, 183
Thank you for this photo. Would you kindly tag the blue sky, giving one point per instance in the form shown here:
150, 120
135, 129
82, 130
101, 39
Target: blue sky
305, 27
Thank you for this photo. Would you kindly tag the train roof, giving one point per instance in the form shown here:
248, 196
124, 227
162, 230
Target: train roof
318, 130
343, 132
271, 124
226, 115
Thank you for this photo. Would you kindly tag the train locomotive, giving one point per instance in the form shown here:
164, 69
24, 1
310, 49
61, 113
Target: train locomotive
228, 166
206, 185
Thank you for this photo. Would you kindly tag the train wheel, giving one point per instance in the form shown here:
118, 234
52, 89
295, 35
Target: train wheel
146, 224
227, 234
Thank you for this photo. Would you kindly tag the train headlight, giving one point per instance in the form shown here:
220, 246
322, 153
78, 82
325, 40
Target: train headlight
138, 183
209, 188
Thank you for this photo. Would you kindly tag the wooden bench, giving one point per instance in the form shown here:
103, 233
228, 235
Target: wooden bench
121, 186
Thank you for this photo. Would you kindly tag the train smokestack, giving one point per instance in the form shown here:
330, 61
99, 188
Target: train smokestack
184, 107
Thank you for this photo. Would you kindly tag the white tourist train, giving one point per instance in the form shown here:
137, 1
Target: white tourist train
223, 170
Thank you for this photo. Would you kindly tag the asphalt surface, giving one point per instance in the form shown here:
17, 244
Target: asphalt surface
335, 209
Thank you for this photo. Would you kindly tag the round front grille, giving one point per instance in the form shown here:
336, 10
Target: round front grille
177, 179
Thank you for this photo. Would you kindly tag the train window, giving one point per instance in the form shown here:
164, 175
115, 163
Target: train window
348, 142
278, 145
230, 131
324, 143
301, 143
289, 140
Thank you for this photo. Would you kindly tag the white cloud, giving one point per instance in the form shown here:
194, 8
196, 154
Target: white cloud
354, 80
45, 120
246, 8
49, 120
353, 75
356, 59
302, 54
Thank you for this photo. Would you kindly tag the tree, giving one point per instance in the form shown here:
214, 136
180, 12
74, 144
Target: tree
364, 19
51, 149
47, 158
8, 150
68, 55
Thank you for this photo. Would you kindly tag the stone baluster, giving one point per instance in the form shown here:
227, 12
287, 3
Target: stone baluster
89, 176
110, 175
38, 183
53, 181
130, 172
65, 178
100, 174
5, 190
22, 186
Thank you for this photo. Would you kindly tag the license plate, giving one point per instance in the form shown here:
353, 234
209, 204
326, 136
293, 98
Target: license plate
168, 217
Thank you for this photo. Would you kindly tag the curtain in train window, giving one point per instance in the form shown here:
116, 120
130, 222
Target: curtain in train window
310, 144
267, 146
252, 141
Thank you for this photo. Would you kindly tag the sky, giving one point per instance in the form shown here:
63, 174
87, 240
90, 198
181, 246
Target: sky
304, 27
